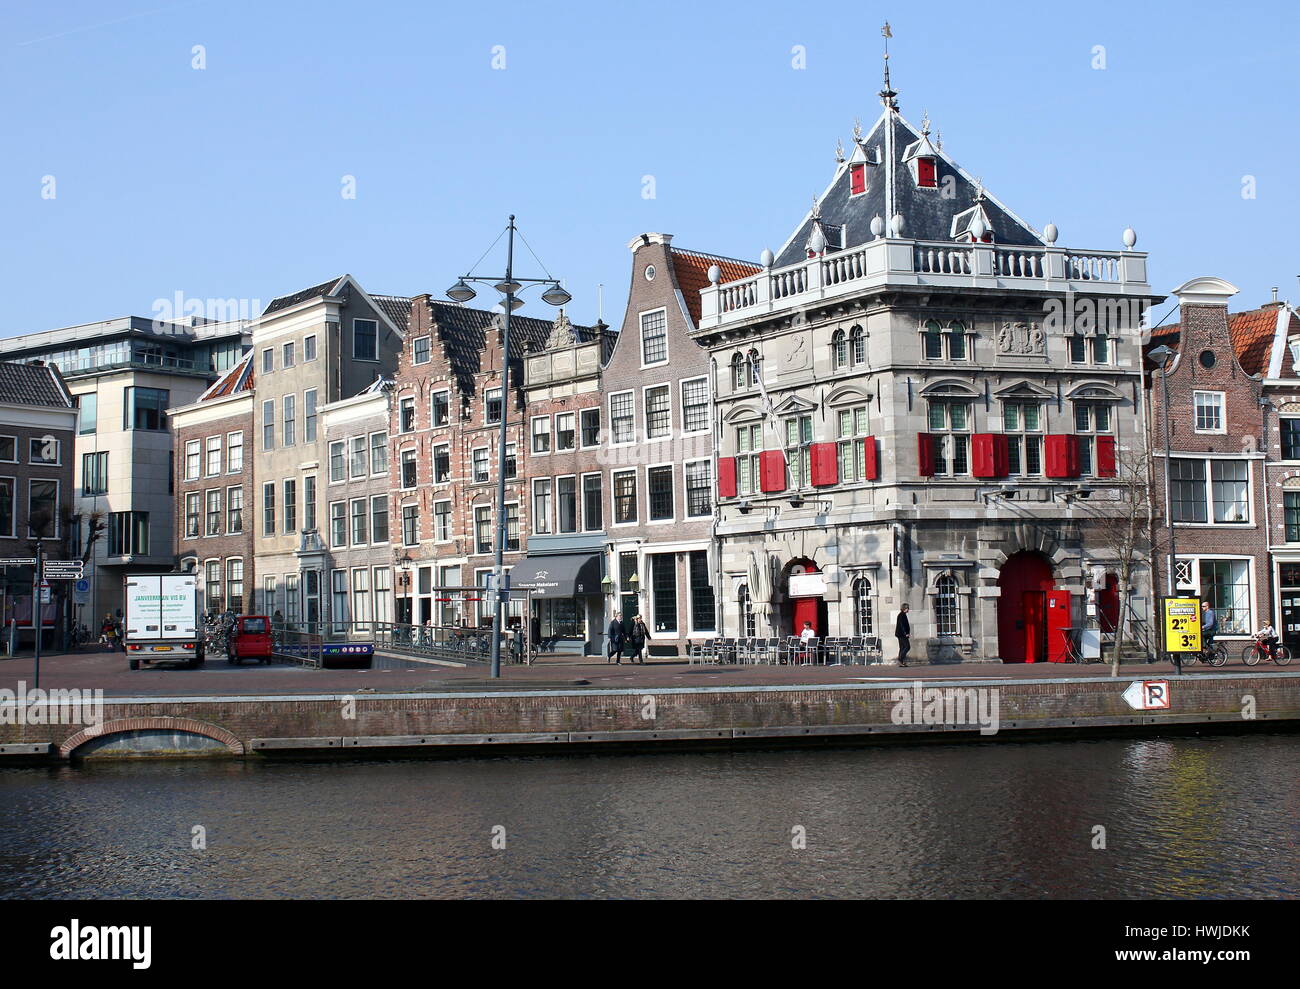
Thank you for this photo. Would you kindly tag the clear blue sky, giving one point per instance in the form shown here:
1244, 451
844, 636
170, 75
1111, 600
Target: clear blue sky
225, 182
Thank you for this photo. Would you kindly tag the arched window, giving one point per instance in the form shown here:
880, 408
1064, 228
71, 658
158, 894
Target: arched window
863, 620
738, 372
933, 341
839, 349
945, 605
858, 344
755, 363
956, 341
747, 625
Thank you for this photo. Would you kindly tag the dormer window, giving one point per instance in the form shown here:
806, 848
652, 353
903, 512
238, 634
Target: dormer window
857, 179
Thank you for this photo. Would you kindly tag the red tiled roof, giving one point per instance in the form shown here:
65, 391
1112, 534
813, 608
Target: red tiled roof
692, 271
1252, 336
238, 379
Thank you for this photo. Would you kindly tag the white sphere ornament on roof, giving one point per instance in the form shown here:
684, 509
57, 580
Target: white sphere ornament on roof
1130, 237
897, 224
715, 274
817, 242
877, 226
1049, 233
977, 228
767, 257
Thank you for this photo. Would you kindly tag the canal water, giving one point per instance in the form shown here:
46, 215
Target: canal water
1182, 817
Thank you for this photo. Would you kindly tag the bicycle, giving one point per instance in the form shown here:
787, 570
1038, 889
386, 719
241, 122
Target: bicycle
1214, 654
1256, 651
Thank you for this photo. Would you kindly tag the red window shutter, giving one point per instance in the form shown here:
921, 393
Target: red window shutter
857, 179
925, 454
925, 173
1105, 465
771, 470
825, 464
1062, 455
726, 477
1001, 458
981, 455
871, 462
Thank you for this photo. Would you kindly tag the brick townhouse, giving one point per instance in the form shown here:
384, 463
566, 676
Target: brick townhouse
38, 425
1233, 496
447, 406
659, 447
566, 538
214, 488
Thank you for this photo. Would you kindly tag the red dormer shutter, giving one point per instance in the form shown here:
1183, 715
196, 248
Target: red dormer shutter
857, 179
726, 477
1105, 465
825, 464
926, 173
771, 470
989, 455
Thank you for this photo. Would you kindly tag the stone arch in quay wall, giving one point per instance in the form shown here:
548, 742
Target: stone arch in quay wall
95, 733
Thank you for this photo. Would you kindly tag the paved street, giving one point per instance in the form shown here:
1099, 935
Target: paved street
106, 671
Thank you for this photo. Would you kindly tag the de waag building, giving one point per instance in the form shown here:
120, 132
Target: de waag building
922, 400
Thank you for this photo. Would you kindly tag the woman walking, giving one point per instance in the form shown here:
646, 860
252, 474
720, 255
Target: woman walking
636, 640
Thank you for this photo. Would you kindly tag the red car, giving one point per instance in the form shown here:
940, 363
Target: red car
250, 639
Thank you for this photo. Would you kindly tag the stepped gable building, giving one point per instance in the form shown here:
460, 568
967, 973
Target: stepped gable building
1233, 498
921, 399
565, 566
447, 406
659, 444
214, 534
312, 348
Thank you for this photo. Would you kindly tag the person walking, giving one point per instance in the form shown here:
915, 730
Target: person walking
616, 639
108, 631
637, 639
903, 632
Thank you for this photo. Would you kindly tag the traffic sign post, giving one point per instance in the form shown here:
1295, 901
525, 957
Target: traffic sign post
1148, 695
64, 570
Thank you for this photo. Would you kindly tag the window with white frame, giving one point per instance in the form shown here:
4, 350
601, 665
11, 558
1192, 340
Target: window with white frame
309, 415
625, 497
481, 465
442, 521
420, 350
440, 409
213, 456
863, 614
540, 430
946, 612
542, 505
441, 463
565, 431
949, 420
406, 415
268, 424
214, 512
360, 517
590, 421
378, 519
1225, 585
338, 523
1208, 406
338, 462
1225, 499
749, 444
944, 342
654, 337
1023, 424
798, 444
566, 504
482, 529
360, 462
408, 469
699, 488
659, 489
234, 452
192, 515
309, 348
289, 354
378, 453
658, 412
193, 460
851, 436
290, 420
493, 407
622, 417
695, 405
234, 510
410, 524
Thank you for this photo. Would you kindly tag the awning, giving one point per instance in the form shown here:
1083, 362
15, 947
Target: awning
560, 575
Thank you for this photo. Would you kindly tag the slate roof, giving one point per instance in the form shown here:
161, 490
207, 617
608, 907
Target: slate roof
315, 292
927, 213
463, 334
1252, 335
33, 384
692, 271
239, 378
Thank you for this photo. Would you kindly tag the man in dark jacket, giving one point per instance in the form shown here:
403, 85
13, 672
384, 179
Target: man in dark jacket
903, 632
616, 640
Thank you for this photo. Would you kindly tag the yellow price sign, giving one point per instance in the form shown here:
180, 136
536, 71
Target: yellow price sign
1182, 625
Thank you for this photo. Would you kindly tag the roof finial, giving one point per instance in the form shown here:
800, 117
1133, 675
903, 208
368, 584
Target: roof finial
979, 189
839, 150
938, 141
925, 122
857, 130
816, 209
887, 94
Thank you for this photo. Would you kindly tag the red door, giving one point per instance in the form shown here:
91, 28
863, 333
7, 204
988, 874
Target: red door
1057, 624
1022, 606
1108, 604
807, 609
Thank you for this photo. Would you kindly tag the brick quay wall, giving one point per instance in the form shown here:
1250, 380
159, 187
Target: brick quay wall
552, 721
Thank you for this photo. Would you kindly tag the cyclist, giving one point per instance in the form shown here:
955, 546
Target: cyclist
1267, 639
1209, 626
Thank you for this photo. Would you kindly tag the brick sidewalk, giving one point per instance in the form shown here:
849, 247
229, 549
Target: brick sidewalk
108, 671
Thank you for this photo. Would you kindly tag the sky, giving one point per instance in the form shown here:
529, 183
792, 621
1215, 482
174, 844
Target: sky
236, 149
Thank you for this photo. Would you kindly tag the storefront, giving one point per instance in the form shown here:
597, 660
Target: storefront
1288, 585
567, 602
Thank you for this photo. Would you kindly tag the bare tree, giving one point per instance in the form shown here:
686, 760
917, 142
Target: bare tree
1123, 525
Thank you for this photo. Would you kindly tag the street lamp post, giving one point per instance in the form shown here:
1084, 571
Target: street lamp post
507, 286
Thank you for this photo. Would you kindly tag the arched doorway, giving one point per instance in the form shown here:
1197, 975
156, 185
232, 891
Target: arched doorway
1022, 607
805, 602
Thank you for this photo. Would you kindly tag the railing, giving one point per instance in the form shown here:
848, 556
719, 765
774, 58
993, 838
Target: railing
452, 643
885, 261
